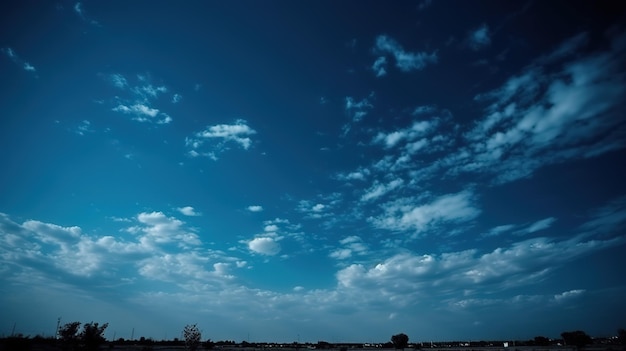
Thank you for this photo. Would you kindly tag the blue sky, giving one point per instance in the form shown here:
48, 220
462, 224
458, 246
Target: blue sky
313, 170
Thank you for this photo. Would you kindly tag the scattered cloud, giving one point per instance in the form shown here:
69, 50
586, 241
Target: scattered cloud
380, 66
220, 135
12, 55
352, 245
188, 211
255, 208
176, 98
523, 263
379, 189
80, 11
139, 99
407, 214
84, 127
405, 61
358, 109
479, 38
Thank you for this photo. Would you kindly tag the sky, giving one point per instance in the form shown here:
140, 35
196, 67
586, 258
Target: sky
287, 171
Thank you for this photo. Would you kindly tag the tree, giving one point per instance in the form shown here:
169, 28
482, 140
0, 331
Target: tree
68, 334
192, 336
621, 336
92, 335
400, 341
541, 341
576, 338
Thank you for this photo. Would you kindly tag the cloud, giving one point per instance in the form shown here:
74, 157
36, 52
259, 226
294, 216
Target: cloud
378, 189
407, 215
418, 129
568, 295
176, 98
118, 81
538, 118
84, 127
380, 66
495, 231
405, 61
11, 54
159, 229
349, 246
479, 38
255, 208
523, 263
357, 110
188, 211
139, 99
78, 9
221, 135
265, 246
540, 225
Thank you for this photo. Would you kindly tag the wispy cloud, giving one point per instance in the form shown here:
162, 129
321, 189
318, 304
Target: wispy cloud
80, 11
405, 61
479, 38
407, 214
84, 128
12, 55
357, 109
220, 136
380, 66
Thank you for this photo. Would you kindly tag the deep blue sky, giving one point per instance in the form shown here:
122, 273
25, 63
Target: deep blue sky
321, 170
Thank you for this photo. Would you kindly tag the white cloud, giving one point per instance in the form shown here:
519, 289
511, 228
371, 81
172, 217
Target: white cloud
188, 211
479, 38
523, 263
379, 189
176, 98
538, 118
237, 132
349, 246
568, 295
160, 229
265, 246
222, 134
418, 129
405, 61
143, 113
255, 208
404, 215
118, 80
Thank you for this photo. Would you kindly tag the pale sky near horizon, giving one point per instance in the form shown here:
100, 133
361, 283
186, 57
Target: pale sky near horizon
313, 170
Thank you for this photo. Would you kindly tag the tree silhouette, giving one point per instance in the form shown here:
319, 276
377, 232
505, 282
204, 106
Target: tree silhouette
192, 336
621, 336
400, 341
576, 338
92, 335
68, 334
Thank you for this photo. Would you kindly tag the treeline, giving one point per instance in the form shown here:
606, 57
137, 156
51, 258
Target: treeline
90, 337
